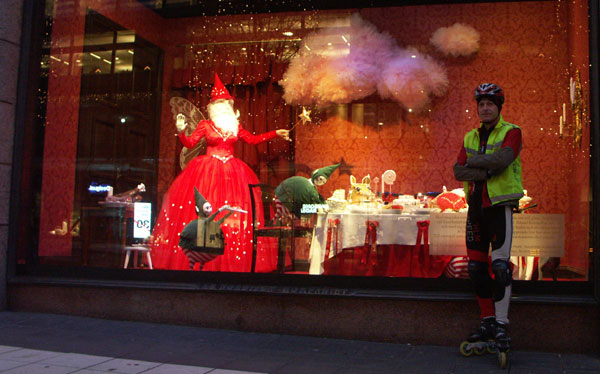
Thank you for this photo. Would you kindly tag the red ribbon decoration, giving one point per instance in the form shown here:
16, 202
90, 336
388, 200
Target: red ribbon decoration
370, 243
332, 225
423, 249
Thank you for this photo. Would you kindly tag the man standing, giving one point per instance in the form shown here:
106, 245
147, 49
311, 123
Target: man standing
490, 167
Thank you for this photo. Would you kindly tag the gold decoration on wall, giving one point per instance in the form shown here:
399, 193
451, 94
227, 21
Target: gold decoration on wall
578, 107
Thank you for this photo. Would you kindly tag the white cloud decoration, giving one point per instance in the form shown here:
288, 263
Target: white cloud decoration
456, 40
351, 60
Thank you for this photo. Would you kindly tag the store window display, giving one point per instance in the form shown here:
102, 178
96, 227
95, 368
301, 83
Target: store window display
386, 98
223, 180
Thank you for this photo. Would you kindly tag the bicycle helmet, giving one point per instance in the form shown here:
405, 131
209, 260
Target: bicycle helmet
492, 92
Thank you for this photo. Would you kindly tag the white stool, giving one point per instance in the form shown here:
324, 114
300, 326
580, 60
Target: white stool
136, 249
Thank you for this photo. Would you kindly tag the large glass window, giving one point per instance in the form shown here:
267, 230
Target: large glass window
377, 102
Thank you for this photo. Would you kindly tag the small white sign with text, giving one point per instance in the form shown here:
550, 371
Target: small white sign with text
533, 234
142, 215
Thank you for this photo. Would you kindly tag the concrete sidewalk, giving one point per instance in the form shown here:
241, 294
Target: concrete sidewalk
44, 343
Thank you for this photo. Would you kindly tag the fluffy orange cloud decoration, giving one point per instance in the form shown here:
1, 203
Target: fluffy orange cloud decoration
303, 75
337, 64
456, 40
352, 60
410, 78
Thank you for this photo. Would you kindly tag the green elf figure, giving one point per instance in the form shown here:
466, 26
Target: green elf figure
202, 240
296, 191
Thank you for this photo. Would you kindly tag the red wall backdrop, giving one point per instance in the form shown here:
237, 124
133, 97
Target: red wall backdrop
531, 49
525, 49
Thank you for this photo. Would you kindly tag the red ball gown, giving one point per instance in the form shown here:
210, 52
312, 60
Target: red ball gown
221, 179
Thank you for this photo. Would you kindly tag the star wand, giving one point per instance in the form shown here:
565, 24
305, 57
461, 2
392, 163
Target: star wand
304, 118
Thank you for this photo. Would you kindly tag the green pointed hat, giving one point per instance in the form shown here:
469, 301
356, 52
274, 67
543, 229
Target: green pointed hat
200, 200
324, 171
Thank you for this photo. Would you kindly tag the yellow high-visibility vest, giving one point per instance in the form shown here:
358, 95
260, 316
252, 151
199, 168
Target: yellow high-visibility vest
507, 185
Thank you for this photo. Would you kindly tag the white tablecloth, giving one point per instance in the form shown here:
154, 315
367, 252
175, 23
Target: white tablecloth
392, 229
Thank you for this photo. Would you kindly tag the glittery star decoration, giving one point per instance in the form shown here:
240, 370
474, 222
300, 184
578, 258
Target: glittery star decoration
345, 168
304, 118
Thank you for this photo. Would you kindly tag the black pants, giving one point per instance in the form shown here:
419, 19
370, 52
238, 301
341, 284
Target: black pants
493, 227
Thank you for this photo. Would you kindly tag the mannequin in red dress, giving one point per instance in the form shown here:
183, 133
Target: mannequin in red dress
223, 180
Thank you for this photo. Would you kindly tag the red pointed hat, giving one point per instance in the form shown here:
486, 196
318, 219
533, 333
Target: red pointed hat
219, 91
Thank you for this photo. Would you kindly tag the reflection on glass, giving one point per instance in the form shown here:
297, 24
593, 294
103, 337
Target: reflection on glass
98, 62
123, 60
98, 38
125, 36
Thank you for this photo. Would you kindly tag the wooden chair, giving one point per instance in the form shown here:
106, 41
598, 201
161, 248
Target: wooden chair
263, 201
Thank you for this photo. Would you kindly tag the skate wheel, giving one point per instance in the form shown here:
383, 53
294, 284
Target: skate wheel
502, 359
464, 350
479, 351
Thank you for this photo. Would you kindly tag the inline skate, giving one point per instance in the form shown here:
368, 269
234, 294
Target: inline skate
502, 345
482, 340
